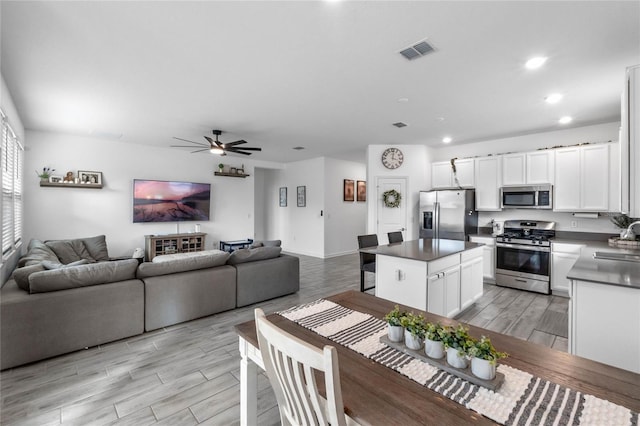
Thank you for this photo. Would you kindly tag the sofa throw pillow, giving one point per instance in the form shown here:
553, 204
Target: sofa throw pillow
97, 247
21, 275
37, 251
64, 251
82, 276
266, 243
47, 264
251, 255
182, 264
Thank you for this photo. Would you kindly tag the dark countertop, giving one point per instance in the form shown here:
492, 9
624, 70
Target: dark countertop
604, 271
424, 249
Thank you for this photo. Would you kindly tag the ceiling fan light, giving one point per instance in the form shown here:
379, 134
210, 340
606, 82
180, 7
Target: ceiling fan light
216, 151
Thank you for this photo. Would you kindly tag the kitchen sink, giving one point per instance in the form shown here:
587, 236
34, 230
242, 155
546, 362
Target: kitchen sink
609, 255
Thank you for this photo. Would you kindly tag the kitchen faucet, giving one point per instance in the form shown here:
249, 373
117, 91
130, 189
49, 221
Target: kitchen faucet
629, 234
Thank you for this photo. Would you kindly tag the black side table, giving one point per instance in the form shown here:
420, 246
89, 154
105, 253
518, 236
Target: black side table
230, 246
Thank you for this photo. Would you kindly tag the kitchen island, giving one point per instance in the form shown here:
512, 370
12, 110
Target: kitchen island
440, 276
604, 311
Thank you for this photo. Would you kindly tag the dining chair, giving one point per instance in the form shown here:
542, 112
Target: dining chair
367, 260
290, 363
395, 237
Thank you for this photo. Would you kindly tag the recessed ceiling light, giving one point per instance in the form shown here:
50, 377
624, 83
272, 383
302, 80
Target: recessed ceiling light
536, 62
440, 119
553, 98
403, 100
565, 120
446, 139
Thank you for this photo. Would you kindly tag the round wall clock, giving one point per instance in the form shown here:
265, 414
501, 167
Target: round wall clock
392, 158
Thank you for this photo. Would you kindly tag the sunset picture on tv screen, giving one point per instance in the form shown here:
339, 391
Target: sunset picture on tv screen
163, 201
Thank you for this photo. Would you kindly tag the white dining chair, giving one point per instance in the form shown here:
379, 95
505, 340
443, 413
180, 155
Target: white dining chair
290, 363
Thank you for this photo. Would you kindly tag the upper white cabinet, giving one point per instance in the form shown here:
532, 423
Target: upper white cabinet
442, 174
488, 172
540, 166
528, 168
582, 178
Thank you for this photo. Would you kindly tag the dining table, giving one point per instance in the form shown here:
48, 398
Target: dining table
374, 394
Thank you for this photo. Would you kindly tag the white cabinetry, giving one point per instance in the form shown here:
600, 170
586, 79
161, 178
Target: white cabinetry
540, 167
488, 172
471, 279
604, 324
563, 257
488, 256
582, 178
442, 174
443, 292
514, 169
402, 281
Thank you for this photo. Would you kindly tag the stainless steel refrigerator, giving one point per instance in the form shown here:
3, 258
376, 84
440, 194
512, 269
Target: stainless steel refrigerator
449, 214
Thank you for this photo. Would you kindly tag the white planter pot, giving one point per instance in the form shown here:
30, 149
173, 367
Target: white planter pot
483, 369
433, 349
395, 332
454, 360
411, 341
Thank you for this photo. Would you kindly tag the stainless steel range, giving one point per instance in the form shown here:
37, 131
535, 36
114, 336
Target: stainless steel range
523, 255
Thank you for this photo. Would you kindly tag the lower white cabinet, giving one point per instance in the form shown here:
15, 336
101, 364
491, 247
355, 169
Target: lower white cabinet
488, 256
563, 257
604, 324
444, 286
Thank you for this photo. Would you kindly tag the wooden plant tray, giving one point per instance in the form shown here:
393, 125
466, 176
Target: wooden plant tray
628, 244
463, 373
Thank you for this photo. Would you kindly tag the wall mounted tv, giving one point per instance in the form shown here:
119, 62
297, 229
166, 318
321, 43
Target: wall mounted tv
167, 201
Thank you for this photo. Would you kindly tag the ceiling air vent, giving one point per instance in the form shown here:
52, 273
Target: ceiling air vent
419, 49
298, 148
400, 124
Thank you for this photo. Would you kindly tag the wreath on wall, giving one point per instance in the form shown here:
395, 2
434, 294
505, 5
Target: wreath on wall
391, 198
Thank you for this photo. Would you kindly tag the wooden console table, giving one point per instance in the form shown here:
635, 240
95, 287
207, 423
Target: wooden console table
155, 245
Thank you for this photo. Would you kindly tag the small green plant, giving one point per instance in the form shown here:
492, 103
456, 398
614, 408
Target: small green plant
46, 172
458, 338
484, 349
414, 324
221, 166
395, 316
623, 221
435, 332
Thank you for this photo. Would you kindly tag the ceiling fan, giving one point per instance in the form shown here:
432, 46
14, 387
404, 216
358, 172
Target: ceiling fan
217, 147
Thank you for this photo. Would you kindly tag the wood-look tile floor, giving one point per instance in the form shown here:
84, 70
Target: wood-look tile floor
189, 373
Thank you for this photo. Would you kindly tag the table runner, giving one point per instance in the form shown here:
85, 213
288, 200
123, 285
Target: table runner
523, 399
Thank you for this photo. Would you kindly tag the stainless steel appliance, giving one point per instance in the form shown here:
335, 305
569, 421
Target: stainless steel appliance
523, 255
527, 197
448, 214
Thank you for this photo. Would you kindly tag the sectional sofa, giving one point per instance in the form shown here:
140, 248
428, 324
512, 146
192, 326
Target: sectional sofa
67, 295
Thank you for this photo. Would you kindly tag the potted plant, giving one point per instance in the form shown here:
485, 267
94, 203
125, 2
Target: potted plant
414, 330
220, 167
394, 324
457, 341
623, 221
46, 173
433, 346
484, 358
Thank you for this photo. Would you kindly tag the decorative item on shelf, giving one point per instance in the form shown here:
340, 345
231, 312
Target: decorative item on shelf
91, 178
220, 167
391, 198
348, 190
69, 178
484, 358
433, 346
241, 170
455, 172
233, 170
45, 174
394, 324
414, 330
55, 179
457, 342
361, 190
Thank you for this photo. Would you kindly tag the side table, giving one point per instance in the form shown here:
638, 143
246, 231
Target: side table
230, 246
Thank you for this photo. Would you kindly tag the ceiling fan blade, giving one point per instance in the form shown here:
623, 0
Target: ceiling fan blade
213, 143
238, 152
200, 150
183, 146
241, 141
244, 149
185, 140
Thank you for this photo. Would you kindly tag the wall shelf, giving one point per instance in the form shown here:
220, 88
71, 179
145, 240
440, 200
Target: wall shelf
231, 174
72, 185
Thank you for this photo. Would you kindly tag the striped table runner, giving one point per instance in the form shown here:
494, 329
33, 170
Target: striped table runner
522, 399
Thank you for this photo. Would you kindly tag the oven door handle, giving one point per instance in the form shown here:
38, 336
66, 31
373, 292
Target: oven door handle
523, 247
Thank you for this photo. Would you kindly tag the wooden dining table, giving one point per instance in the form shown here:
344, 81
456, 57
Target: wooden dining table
377, 395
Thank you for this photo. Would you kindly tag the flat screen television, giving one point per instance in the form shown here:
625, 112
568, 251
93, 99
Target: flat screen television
170, 201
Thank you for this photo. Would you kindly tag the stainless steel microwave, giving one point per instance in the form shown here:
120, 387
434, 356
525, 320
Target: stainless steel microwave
527, 197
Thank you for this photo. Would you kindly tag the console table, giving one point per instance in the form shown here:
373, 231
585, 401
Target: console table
155, 245
230, 246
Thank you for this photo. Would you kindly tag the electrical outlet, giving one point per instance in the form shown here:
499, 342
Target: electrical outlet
574, 223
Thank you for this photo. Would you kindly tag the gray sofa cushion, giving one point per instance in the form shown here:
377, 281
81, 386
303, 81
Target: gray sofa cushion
182, 264
82, 276
252, 255
37, 251
47, 264
21, 275
64, 251
266, 243
97, 247
266, 279
183, 256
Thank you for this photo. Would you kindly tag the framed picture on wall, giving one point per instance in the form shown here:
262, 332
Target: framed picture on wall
302, 196
283, 196
361, 190
90, 177
348, 190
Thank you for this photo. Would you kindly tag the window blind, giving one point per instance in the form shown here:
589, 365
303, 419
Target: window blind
12, 157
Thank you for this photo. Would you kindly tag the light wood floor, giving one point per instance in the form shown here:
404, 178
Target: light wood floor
189, 373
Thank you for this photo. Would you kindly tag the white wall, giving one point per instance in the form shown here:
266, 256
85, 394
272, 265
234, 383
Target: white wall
596, 133
52, 213
259, 219
416, 168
